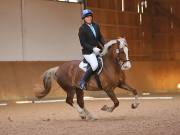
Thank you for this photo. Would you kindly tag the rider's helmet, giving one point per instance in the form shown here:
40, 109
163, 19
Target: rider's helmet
86, 12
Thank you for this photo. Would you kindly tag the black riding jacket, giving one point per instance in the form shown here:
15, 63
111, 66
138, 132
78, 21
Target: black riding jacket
88, 40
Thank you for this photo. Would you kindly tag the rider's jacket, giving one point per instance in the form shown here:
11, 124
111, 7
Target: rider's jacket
88, 40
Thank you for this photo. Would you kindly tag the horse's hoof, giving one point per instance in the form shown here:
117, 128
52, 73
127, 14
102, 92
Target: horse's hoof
33, 102
39, 96
104, 108
134, 106
83, 117
91, 119
107, 109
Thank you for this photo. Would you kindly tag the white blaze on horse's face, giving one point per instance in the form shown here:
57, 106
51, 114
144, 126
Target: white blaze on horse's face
123, 45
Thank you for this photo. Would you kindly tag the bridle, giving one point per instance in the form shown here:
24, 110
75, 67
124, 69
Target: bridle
118, 58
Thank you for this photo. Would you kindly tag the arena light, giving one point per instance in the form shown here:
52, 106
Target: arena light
140, 18
123, 5
178, 85
142, 7
138, 8
145, 4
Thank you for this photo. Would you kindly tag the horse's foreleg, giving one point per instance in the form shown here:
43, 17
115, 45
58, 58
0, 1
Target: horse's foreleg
113, 97
70, 96
83, 112
134, 91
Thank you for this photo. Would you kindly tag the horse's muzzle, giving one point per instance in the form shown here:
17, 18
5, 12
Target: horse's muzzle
126, 65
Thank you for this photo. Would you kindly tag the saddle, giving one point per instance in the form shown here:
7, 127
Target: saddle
84, 65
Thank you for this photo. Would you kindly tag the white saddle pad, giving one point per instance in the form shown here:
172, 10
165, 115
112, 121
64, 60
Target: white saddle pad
84, 65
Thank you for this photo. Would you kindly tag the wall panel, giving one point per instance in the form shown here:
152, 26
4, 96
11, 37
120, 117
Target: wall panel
10, 30
161, 25
126, 18
51, 30
109, 32
131, 5
157, 76
102, 16
35, 30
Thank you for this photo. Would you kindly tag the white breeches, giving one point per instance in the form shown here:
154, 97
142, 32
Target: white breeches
92, 60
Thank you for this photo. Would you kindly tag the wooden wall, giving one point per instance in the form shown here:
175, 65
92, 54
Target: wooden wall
153, 39
115, 23
27, 26
19, 80
166, 30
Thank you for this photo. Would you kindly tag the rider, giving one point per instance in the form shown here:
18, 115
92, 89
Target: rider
92, 42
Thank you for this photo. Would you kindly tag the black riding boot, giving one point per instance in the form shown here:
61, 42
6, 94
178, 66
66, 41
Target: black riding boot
85, 78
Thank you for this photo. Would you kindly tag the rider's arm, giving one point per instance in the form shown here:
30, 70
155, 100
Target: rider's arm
83, 40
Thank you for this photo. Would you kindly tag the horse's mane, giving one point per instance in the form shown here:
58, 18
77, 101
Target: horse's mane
106, 46
122, 41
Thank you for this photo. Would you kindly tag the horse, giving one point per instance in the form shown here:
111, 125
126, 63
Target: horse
115, 61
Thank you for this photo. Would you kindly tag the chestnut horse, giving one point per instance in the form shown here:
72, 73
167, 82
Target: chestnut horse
115, 58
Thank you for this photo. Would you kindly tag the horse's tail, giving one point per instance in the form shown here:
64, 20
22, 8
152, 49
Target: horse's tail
47, 82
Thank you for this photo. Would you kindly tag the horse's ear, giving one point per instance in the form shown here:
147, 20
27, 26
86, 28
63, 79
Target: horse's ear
118, 42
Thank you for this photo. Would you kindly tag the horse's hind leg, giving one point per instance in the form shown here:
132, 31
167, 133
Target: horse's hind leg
69, 100
134, 91
113, 97
83, 112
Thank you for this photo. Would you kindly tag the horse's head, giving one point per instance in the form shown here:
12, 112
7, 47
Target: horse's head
118, 51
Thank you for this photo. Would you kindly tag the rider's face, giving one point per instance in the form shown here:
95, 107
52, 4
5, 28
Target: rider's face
88, 19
